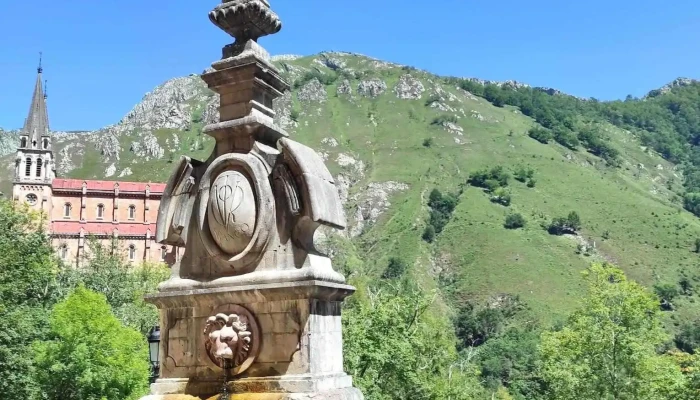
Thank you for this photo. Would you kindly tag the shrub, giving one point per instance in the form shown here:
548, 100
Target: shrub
325, 79
395, 269
569, 224
433, 98
428, 142
531, 183
489, 179
667, 292
501, 196
522, 174
540, 134
444, 119
92, 356
514, 221
566, 138
429, 234
294, 115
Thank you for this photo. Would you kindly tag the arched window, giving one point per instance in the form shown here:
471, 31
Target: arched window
66, 210
28, 167
64, 252
100, 211
39, 162
45, 143
23, 142
132, 252
132, 212
163, 253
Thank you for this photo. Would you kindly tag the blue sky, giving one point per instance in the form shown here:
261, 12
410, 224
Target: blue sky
101, 57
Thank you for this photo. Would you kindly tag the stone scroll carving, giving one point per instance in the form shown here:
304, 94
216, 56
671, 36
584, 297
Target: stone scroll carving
232, 339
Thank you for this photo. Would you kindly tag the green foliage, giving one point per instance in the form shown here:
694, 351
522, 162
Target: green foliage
294, 115
444, 119
666, 291
90, 355
593, 141
607, 348
691, 202
441, 208
395, 269
397, 347
325, 79
475, 325
27, 288
514, 221
512, 360
26, 258
523, 174
562, 225
489, 179
103, 270
540, 134
697, 245
688, 338
531, 183
501, 196
566, 137
428, 142
433, 98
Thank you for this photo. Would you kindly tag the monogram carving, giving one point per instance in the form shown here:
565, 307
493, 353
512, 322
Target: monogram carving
231, 211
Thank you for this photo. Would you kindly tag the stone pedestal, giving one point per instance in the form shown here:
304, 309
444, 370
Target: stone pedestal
300, 348
254, 301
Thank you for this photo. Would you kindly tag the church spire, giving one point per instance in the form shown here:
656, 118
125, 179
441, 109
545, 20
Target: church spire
36, 125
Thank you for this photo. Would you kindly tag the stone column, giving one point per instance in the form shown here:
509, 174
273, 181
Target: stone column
253, 297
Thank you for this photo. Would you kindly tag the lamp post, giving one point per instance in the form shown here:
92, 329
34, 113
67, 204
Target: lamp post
153, 351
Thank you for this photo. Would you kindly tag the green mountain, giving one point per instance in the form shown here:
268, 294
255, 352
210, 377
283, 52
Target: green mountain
391, 134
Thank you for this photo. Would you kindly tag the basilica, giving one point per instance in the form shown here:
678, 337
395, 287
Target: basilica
75, 210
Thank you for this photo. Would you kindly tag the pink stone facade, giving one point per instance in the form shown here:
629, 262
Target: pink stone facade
77, 209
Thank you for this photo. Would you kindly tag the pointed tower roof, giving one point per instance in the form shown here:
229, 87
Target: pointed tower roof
37, 123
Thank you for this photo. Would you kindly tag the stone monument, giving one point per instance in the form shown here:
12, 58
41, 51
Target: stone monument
253, 308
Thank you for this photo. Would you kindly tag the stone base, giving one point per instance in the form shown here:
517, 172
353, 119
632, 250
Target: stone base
253, 389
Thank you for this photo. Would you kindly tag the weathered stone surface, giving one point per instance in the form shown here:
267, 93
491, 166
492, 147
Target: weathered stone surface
409, 88
371, 88
313, 91
344, 87
255, 293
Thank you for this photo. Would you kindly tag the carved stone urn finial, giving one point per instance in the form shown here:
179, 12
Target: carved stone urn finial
246, 19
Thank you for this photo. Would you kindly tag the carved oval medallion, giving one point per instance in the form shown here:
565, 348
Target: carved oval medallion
231, 211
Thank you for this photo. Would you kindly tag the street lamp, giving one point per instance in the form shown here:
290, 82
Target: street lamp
153, 351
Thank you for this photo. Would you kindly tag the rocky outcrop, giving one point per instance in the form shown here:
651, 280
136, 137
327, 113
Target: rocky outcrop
372, 202
371, 88
409, 88
344, 88
125, 172
678, 82
147, 148
312, 91
167, 106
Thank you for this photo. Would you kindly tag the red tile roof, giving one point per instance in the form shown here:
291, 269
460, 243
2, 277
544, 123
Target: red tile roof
77, 184
100, 228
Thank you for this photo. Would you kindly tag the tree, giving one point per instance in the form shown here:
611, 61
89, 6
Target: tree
27, 282
666, 292
90, 355
540, 134
569, 224
103, 270
514, 221
395, 269
607, 348
397, 345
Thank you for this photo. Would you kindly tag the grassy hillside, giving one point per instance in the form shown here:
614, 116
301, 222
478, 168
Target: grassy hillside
427, 132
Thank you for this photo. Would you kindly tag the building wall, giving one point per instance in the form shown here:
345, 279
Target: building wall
144, 250
43, 204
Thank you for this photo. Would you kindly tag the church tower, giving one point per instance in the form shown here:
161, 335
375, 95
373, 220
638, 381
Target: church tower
34, 164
